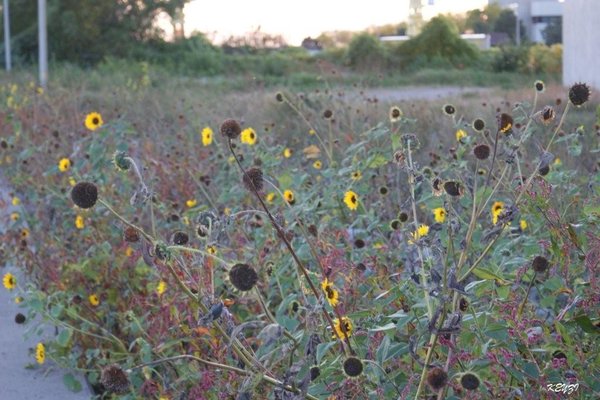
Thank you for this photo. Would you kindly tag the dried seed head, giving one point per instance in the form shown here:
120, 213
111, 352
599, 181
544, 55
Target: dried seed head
449, 109
403, 216
131, 235
243, 277
469, 381
180, 238
327, 114
579, 93
453, 188
437, 378
353, 367
539, 86
20, 318
84, 194
231, 128
253, 179
114, 379
481, 151
279, 97
540, 264
478, 124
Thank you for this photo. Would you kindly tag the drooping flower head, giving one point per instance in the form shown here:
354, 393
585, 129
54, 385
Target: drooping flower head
331, 294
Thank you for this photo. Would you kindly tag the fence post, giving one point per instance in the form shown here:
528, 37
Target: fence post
43, 43
7, 55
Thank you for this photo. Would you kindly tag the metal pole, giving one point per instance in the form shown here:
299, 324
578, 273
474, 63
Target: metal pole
7, 59
518, 38
43, 43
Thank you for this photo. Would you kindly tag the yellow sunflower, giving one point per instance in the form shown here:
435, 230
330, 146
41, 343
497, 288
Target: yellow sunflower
94, 300
497, 208
422, 231
460, 135
439, 214
211, 249
248, 136
356, 175
312, 132
79, 222
161, 287
288, 195
351, 200
9, 281
331, 294
16, 201
287, 152
64, 164
207, 136
191, 203
317, 164
343, 328
93, 121
40, 353
523, 224
270, 197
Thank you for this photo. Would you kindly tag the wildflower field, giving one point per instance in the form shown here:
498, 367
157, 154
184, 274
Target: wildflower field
195, 243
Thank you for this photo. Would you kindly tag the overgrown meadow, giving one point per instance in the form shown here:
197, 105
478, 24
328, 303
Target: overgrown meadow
193, 243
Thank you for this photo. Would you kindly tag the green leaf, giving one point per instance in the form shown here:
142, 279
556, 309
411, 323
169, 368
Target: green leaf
482, 273
72, 383
497, 332
383, 350
323, 348
385, 327
586, 324
376, 161
64, 337
564, 334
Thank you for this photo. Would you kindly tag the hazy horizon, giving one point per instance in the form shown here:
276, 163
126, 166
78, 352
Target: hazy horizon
297, 20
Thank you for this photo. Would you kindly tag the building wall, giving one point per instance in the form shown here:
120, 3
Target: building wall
581, 43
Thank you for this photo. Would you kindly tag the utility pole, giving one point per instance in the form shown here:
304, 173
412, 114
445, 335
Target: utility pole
7, 59
43, 43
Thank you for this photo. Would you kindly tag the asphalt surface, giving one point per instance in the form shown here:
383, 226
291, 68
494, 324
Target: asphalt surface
21, 378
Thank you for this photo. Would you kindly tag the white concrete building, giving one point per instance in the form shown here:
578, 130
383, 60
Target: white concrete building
535, 14
581, 42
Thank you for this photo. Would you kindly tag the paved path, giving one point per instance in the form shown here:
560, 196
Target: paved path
43, 382
424, 92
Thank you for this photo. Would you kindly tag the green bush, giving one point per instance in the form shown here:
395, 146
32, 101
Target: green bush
545, 59
365, 52
510, 59
440, 42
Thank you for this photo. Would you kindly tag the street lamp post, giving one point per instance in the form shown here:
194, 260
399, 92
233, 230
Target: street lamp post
43, 43
7, 55
515, 8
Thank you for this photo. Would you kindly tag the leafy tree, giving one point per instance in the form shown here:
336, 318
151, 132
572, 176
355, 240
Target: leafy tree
85, 31
552, 33
483, 21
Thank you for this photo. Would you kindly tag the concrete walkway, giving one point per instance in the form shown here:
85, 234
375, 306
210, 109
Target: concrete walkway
42, 382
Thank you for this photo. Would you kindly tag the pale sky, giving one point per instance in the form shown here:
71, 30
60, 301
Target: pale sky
297, 19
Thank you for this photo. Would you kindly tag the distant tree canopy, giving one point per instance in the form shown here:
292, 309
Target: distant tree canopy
85, 31
552, 33
438, 41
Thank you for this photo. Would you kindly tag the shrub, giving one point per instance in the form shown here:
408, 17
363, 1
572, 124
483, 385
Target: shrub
438, 41
509, 59
365, 52
545, 59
